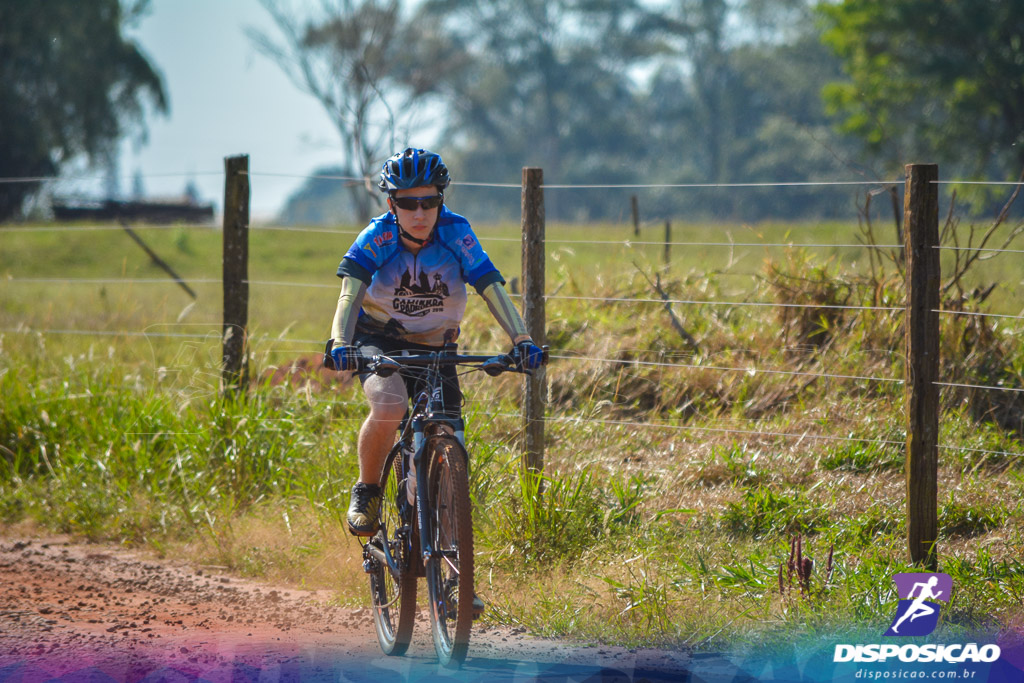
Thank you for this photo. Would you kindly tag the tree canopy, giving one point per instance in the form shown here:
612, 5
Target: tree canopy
342, 52
932, 79
71, 85
603, 92
706, 92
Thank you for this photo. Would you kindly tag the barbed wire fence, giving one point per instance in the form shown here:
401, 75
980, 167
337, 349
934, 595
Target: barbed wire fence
921, 381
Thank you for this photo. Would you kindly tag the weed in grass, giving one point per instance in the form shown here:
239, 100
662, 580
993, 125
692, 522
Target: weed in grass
878, 522
549, 516
751, 577
645, 599
627, 495
733, 464
762, 511
558, 515
863, 457
957, 518
798, 281
983, 447
986, 590
799, 569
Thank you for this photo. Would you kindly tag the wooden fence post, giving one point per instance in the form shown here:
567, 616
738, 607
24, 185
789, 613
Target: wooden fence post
533, 313
921, 239
668, 244
635, 207
235, 370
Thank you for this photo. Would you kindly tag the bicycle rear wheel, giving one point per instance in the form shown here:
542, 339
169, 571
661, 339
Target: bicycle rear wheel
394, 597
450, 571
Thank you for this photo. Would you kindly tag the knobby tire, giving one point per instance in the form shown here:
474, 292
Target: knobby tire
394, 601
450, 574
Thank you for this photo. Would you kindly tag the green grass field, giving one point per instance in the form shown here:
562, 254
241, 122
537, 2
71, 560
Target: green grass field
676, 477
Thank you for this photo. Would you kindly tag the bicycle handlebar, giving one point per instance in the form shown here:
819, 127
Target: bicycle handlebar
385, 365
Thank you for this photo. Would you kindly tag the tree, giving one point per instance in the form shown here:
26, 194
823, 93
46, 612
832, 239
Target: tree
932, 80
736, 96
71, 85
539, 83
319, 201
612, 92
345, 56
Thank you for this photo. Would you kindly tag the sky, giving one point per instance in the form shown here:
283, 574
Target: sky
225, 99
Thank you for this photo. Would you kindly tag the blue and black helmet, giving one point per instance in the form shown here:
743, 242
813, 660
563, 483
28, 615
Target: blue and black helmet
413, 168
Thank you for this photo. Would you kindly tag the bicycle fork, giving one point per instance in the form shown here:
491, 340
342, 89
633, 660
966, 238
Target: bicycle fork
428, 552
423, 515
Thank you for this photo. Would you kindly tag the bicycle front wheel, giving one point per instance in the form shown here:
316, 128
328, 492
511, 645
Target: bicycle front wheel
450, 570
393, 587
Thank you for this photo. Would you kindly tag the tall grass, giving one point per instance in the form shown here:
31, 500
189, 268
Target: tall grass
674, 478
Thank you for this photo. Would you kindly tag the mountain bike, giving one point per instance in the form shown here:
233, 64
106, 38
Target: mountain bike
433, 536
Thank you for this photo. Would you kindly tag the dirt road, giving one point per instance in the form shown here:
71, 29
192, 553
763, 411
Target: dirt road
100, 614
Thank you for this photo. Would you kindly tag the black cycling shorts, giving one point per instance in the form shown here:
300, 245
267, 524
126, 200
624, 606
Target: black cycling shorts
415, 378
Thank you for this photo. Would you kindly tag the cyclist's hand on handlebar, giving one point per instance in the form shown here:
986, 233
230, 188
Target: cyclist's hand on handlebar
528, 355
346, 358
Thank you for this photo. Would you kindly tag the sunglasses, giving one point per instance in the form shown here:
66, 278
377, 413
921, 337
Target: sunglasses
410, 203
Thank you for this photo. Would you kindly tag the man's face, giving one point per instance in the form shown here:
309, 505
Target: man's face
416, 221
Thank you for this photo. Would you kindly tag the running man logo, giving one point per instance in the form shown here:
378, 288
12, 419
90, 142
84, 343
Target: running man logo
916, 614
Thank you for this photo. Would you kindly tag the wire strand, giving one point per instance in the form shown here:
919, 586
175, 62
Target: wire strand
712, 185
629, 242
977, 182
548, 297
657, 425
976, 386
823, 437
141, 226
770, 304
124, 280
991, 249
111, 333
96, 176
364, 179
977, 314
749, 371
288, 228
977, 450
302, 175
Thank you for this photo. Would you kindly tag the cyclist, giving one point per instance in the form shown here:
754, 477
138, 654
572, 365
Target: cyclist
403, 287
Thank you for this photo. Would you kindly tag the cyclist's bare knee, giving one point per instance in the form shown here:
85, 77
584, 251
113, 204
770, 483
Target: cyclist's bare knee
387, 397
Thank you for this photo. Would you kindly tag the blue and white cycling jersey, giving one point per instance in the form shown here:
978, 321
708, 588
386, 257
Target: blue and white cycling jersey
418, 297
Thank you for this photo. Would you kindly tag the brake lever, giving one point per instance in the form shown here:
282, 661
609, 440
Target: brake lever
384, 367
328, 359
496, 365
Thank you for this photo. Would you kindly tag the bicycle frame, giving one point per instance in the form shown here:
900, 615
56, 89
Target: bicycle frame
443, 512
428, 410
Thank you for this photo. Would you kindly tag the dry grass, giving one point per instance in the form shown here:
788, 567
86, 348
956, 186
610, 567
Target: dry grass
678, 488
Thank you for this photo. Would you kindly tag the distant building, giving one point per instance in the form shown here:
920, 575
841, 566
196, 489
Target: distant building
188, 208
142, 211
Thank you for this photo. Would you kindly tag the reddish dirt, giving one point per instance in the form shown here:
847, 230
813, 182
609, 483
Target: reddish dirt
98, 613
